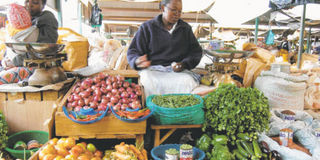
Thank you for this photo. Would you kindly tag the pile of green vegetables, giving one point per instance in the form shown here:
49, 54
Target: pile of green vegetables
231, 110
3, 131
175, 101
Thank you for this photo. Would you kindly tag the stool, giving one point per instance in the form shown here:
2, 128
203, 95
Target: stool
173, 128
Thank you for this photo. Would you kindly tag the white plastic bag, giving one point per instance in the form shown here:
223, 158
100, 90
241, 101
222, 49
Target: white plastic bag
282, 90
156, 82
285, 152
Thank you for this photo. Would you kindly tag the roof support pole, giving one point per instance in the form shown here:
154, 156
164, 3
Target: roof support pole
308, 40
301, 35
58, 6
256, 31
80, 17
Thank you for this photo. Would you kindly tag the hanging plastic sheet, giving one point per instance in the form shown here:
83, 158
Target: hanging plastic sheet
270, 38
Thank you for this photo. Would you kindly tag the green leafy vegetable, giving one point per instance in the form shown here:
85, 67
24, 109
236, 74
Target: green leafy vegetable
175, 101
231, 110
3, 131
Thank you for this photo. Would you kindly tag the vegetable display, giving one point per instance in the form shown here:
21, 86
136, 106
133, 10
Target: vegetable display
127, 152
104, 90
133, 115
3, 131
67, 148
175, 101
231, 110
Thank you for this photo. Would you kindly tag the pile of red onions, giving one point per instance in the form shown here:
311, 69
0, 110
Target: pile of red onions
104, 90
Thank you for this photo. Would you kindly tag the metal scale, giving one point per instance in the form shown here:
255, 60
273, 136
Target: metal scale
45, 58
224, 63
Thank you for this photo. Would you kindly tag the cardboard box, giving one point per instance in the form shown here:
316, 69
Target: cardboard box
29, 110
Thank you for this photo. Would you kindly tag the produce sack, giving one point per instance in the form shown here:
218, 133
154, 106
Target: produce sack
185, 115
312, 95
18, 16
253, 69
282, 90
76, 48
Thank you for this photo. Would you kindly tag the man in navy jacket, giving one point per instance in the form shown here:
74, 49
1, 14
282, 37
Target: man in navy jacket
164, 40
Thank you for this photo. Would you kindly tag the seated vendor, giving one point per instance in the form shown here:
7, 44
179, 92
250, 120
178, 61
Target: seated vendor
163, 50
45, 31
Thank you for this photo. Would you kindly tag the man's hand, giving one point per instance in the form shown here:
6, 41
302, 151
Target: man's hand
177, 67
142, 62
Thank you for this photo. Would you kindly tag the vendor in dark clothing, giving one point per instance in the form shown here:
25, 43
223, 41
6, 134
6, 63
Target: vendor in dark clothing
44, 20
164, 40
46, 31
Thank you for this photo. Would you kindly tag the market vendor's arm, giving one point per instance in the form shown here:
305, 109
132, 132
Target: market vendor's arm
136, 53
194, 52
48, 27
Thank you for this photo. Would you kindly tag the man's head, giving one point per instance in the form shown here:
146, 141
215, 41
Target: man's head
171, 10
35, 7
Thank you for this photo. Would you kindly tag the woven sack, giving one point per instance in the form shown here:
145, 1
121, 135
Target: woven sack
77, 48
282, 90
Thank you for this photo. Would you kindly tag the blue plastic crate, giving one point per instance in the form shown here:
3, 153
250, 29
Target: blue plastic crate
158, 153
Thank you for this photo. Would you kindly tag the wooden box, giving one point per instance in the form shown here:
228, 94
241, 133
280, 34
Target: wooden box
107, 127
29, 110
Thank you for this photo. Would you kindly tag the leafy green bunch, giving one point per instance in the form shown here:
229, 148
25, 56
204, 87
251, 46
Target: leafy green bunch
231, 110
3, 131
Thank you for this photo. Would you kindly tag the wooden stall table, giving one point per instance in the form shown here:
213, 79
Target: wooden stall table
109, 127
27, 108
172, 129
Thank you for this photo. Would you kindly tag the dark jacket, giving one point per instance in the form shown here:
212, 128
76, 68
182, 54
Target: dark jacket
164, 48
48, 27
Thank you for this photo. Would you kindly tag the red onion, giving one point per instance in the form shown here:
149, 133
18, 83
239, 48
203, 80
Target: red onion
69, 104
96, 80
124, 107
125, 101
77, 90
109, 88
136, 104
76, 97
124, 94
81, 103
104, 101
97, 92
86, 101
129, 89
121, 89
126, 84
114, 85
77, 109
108, 82
84, 94
74, 104
114, 92
103, 90
109, 95
85, 85
70, 98
96, 98
114, 100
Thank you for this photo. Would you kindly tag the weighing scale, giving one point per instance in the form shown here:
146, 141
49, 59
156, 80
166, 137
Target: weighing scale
45, 58
223, 64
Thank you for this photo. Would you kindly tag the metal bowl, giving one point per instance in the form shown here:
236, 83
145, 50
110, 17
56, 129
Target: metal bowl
36, 49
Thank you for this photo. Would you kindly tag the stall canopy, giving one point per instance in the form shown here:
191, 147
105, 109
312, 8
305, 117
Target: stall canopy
234, 12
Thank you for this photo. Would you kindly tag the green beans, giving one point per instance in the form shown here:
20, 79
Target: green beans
175, 101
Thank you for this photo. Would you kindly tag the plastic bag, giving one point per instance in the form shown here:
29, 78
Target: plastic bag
18, 16
96, 16
253, 69
285, 152
156, 82
270, 38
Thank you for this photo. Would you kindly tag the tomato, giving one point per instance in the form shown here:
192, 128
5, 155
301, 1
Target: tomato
91, 147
